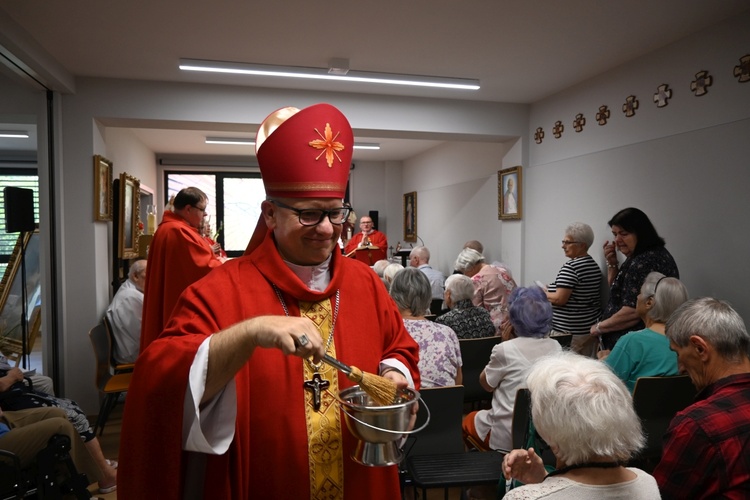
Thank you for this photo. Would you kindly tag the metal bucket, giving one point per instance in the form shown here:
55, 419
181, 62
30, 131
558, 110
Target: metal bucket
377, 428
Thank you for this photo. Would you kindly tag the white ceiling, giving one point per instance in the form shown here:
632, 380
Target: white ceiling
520, 50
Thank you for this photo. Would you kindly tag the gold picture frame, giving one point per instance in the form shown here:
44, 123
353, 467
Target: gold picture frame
129, 216
410, 217
509, 192
102, 189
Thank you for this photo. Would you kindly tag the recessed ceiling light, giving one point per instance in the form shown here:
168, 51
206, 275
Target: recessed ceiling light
14, 134
335, 73
230, 140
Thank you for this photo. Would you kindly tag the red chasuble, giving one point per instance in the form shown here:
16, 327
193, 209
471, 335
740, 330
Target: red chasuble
376, 238
177, 257
268, 457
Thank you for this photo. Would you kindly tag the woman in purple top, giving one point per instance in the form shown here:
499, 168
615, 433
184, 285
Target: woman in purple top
439, 352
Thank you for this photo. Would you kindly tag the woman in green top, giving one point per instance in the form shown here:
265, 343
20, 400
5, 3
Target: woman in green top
646, 353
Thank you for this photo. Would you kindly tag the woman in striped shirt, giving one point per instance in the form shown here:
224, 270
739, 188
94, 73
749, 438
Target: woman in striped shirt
576, 293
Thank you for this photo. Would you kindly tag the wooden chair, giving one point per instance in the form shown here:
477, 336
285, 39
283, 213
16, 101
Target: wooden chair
117, 367
112, 385
656, 401
475, 354
435, 456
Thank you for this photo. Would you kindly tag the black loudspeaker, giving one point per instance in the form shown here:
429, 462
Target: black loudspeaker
19, 209
374, 216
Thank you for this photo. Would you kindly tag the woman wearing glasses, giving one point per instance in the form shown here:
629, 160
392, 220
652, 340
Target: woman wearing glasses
576, 293
646, 353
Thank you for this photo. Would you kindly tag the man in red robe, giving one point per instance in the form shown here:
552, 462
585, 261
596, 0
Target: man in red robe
368, 236
227, 402
177, 257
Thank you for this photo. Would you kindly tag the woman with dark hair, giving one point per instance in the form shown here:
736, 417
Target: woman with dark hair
636, 238
530, 315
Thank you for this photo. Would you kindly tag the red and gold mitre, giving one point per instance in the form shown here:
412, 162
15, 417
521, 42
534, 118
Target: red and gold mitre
305, 153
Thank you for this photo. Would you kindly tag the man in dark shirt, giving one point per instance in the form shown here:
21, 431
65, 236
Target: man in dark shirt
706, 445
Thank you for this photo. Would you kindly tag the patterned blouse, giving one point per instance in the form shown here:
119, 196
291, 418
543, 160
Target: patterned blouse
439, 352
492, 286
627, 285
468, 320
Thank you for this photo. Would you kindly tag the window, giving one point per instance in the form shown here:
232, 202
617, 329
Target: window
15, 178
233, 204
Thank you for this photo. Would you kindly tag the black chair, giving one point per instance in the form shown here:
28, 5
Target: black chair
435, 456
564, 339
522, 427
656, 401
436, 307
40, 479
475, 354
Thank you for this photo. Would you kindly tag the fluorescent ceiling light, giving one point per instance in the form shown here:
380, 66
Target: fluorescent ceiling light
250, 142
230, 140
14, 134
333, 73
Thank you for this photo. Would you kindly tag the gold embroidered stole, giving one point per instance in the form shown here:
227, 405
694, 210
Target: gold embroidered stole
324, 442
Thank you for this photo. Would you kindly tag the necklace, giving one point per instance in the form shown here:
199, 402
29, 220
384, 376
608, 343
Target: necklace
314, 366
585, 465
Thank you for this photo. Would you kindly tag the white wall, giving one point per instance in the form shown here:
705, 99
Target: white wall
456, 185
685, 165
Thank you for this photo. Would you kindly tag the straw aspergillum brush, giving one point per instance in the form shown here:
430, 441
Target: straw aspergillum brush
380, 389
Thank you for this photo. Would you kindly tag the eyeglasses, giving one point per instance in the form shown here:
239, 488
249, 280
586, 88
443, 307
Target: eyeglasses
566, 242
201, 209
314, 216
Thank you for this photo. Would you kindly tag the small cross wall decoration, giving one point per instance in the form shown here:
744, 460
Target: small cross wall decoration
558, 129
663, 95
579, 122
631, 104
700, 85
742, 72
539, 135
603, 115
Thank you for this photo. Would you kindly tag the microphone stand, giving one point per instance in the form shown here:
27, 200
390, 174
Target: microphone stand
24, 312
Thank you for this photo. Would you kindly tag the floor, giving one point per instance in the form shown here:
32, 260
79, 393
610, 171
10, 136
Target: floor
110, 443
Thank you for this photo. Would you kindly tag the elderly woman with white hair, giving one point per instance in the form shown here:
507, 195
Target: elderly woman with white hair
492, 284
464, 318
530, 316
646, 353
439, 353
586, 415
576, 293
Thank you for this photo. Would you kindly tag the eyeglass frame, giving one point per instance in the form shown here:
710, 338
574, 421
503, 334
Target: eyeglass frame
203, 210
567, 242
323, 213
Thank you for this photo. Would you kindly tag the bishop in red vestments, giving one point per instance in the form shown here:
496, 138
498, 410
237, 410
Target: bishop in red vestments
222, 404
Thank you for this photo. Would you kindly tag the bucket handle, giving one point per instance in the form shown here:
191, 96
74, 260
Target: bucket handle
413, 431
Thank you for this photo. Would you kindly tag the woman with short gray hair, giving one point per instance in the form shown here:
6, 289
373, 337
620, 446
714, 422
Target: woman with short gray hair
646, 353
439, 353
586, 415
464, 318
576, 293
492, 284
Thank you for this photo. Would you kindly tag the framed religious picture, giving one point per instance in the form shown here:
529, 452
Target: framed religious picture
102, 189
410, 217
509, 193
129, 217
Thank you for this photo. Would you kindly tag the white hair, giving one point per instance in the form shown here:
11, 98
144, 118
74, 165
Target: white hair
668, 294
581, 233
380, 266
583, 410
467, 258
390, 271
460, 286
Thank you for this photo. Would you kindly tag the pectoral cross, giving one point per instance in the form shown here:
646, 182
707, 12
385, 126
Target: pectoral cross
316, 385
